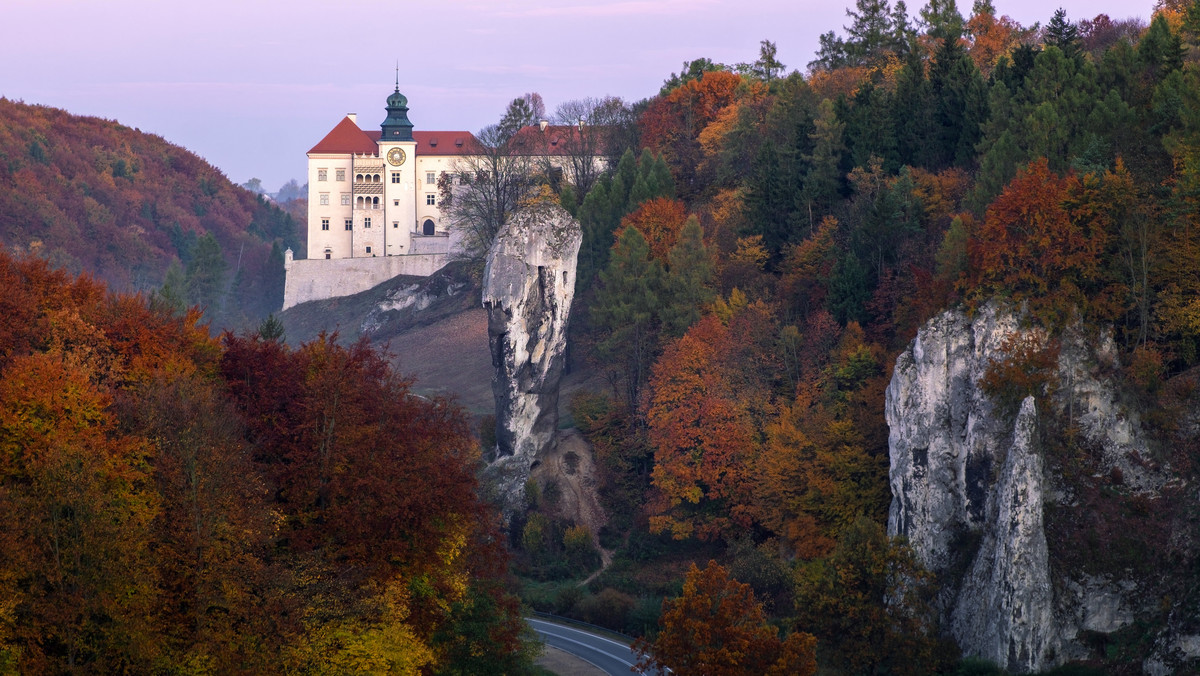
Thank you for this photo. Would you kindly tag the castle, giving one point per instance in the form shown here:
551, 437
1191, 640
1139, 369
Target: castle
373, 201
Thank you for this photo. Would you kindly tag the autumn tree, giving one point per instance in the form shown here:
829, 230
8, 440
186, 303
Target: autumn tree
709, 394
485, 188
868, 604
671, 125
659, 220
718, 628
1029, 246
598, 128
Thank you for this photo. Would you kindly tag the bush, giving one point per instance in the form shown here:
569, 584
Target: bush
610, 608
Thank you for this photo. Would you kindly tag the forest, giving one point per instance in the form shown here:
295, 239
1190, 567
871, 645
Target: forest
94, 196
762, 245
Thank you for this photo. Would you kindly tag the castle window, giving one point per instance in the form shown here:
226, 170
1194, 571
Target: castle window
366, 222
368, 249
322, 174
395, 224
341, 174
374, 202
345, 199
430, 178
430, 199
427, 227
324, 223
349, 223
395, 203
328, 255
395, 177
358, 178
325, 199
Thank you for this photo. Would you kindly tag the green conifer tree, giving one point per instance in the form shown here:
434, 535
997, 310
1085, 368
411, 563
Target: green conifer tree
689, 280
626, 313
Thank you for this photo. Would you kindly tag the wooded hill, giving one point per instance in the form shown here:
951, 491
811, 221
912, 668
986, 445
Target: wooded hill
749, 310
93, 196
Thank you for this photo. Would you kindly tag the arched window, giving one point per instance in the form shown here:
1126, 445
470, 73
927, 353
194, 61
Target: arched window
360, 202
375, 203
358, 178
427, 227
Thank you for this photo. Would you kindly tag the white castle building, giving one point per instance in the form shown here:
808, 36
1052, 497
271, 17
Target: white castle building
373, 209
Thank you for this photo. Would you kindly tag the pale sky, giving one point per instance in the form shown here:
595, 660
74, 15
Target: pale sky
251, 85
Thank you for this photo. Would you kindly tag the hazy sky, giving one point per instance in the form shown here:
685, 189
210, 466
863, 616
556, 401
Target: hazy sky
252, 84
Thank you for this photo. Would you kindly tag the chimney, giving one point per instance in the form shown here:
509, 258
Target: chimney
353, 117
542, 124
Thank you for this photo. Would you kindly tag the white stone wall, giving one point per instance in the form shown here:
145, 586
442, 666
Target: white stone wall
318, 279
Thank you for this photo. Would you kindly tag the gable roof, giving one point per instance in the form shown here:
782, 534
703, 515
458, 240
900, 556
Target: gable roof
554, 140
346, 137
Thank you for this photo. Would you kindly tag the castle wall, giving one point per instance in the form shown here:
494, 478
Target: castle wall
318, 279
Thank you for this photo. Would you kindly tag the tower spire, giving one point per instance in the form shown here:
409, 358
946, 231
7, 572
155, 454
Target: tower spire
397, 74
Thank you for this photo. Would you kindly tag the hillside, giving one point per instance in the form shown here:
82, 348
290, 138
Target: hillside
420, 322
93, 196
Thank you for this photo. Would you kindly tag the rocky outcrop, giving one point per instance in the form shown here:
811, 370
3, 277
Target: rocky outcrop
528, 286
1004, 611
970, 489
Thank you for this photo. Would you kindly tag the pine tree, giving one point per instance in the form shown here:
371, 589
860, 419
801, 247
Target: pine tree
912, 114
171, 296
960, 105
942, 20
205, 279
823, 182
688, 280
1065, 35
871, 32
626, 313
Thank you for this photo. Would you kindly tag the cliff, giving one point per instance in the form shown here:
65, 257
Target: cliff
1010, 501
528, 286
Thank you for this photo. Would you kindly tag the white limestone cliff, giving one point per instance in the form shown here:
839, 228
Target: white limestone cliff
528, 286
970, 487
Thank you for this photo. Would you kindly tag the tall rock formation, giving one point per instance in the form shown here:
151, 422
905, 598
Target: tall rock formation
528, 286
973, 493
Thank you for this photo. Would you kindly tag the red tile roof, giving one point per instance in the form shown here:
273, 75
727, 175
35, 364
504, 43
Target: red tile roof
439, 142
554, 140
444, 142
346, 137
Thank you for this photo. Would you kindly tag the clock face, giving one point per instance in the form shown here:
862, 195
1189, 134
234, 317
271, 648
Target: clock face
396, 156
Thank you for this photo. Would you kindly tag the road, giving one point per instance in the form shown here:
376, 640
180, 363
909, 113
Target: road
613, 657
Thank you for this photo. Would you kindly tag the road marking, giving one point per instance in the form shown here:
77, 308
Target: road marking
618, 658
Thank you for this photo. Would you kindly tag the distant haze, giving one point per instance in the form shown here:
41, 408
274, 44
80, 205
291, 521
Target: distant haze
251, 86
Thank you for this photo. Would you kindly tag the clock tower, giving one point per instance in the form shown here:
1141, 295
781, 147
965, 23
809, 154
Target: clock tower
399, 150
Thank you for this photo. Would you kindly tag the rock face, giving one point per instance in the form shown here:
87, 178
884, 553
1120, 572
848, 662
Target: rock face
970, 489
528, 286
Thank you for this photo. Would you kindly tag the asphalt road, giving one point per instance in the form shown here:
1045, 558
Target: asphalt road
613, 657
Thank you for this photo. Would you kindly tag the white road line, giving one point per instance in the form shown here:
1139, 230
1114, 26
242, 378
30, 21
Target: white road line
618, 658
597, 636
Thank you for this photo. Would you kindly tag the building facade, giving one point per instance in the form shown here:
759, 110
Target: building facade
374, 193
374, 205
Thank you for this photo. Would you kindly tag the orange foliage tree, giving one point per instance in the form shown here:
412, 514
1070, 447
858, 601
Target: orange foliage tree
672, 124
710, 394
1029, 247
824, 464
659, 220
718, 628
